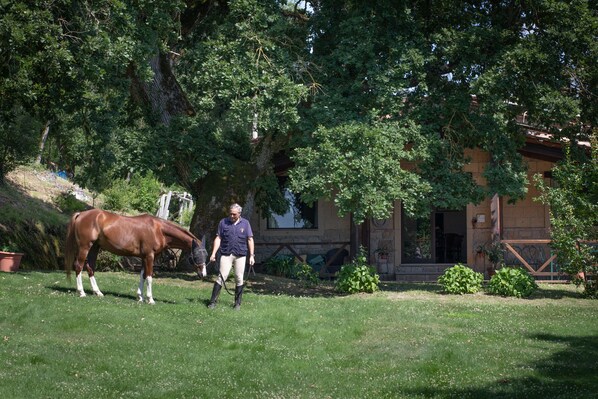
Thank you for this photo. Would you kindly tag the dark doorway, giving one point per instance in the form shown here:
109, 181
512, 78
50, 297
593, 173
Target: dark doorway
438, 238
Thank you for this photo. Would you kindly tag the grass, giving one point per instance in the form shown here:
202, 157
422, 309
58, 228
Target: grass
407, 341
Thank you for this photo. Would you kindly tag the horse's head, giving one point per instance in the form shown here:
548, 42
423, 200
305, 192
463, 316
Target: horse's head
198, 257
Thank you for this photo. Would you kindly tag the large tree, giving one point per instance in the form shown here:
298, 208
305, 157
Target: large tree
458, 74
205, 92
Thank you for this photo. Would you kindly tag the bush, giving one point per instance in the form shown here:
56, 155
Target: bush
42, 243
108, 262
461, 279
307, 276
139, 195
358, 276
512, 281
282, 266
68, 203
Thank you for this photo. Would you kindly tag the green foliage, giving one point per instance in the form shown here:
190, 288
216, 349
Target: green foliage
68, 203
356, 165
10, 247
280, 265
573, 204
512, 281
495, 251
307, 276
41, 243
461, 279
19, 133
108, 262
139, 195
286, 266
358, 276
185, 218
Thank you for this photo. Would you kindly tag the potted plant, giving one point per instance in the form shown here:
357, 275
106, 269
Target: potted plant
495, 251
382, 254
10, 258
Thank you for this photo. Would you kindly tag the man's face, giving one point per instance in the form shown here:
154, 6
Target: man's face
234, 215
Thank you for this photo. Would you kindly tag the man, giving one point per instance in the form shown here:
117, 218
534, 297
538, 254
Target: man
234, 239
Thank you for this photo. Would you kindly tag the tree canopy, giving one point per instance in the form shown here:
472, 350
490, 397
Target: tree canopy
206, 93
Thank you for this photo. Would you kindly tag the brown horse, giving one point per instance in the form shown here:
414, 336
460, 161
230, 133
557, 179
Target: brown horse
143, 236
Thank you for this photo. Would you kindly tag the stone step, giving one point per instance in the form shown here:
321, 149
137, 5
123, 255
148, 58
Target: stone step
420, 272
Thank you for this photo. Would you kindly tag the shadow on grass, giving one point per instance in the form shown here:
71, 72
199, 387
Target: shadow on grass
114, 294
264, 284
401, 287
568, 373
564, 291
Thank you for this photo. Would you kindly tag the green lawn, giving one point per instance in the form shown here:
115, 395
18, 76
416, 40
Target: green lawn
407, 341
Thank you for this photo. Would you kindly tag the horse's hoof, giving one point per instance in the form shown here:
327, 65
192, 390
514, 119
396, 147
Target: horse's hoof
151, 302
98, 293
82, 294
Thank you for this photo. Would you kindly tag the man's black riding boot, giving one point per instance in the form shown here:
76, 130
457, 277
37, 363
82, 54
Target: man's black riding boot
215, 293
238, 295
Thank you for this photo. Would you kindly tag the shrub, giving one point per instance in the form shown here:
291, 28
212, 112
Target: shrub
282, 266
68, 203
42, 244
108, 262
307, 275
461, 279
512, 281
186, 217
138, 195
358, 276
573, 216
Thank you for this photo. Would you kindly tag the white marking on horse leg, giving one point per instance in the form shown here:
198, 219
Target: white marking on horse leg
150, 297
80, 285
141, 284
94, 286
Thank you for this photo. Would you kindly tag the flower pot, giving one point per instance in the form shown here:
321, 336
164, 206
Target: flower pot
10, 261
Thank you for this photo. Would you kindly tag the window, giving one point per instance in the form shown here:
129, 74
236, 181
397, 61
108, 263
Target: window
299, 215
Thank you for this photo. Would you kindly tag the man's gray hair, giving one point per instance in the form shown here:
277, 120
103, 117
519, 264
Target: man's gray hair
236, 207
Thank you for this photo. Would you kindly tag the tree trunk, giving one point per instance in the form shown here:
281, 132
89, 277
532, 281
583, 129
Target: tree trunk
42, 144
216, 192
163, 92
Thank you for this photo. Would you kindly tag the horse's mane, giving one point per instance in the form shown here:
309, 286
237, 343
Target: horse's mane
176, 226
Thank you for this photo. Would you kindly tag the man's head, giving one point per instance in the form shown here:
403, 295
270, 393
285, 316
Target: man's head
235, 212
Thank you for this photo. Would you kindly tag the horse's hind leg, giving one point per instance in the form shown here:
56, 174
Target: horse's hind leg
78, 266
141, 285
91, 264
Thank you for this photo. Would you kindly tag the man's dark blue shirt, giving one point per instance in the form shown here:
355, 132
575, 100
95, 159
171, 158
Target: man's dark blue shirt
233, 237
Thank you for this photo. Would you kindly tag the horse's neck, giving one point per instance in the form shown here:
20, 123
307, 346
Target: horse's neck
177, 237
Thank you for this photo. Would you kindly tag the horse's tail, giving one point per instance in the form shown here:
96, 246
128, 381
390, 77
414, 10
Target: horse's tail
70, 248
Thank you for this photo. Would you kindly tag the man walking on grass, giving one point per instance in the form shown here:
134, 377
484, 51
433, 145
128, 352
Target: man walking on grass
234, 239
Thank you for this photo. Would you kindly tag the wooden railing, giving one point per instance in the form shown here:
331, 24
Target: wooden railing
534, 255
340, 245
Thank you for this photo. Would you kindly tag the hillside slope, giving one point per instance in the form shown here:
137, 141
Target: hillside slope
45, 185
31, 218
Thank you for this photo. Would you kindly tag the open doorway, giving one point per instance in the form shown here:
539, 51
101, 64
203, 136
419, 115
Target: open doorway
437, 238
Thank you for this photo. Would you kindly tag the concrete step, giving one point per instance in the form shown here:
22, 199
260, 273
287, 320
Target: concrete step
420, 272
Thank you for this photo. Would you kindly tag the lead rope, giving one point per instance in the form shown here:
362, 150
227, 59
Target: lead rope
224, 282
221, 277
